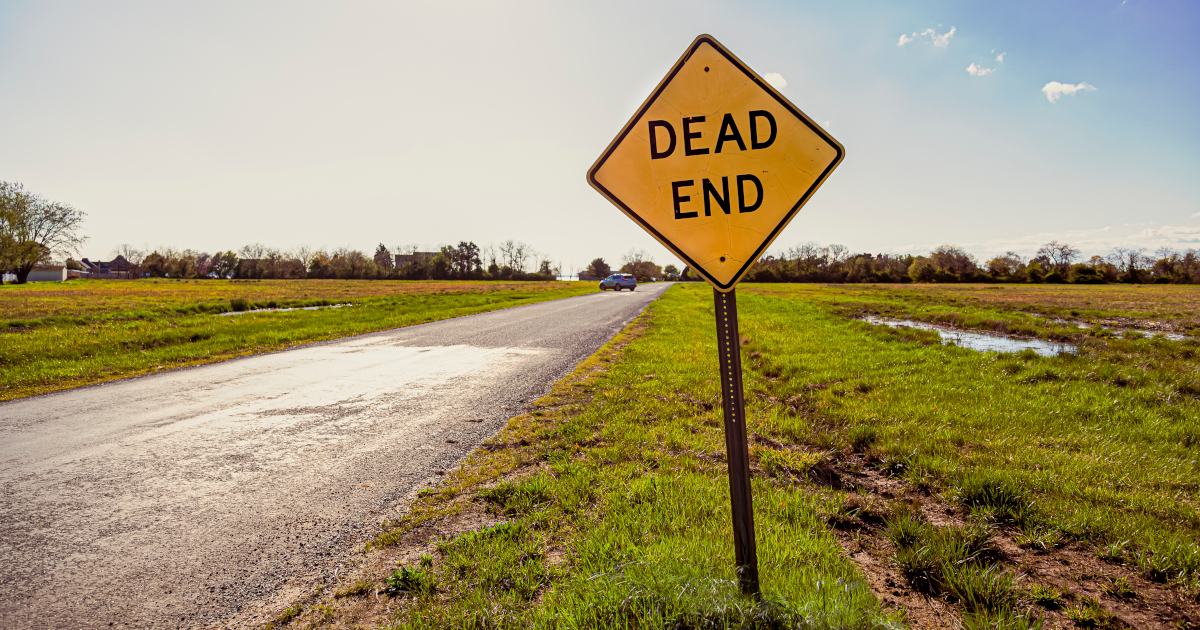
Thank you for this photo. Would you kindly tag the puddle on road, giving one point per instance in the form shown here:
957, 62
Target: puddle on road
280, 310
980, 341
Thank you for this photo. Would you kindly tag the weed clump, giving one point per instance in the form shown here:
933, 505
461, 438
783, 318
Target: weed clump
979, 589
1164, 560
409, 581
1046, 596
991, 496
515, 498
1088, 613
863, 436
958, 563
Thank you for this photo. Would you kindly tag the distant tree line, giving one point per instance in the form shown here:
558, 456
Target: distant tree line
33, 228
1054, 262
510, 260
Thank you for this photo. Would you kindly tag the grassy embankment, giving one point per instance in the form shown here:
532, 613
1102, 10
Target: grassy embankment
609, 502
60, 335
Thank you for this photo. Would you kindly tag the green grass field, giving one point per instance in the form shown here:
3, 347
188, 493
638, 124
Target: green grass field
61, 335
608, 505
960, 474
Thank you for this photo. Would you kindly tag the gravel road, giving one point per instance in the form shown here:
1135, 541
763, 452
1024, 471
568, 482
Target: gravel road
173, 500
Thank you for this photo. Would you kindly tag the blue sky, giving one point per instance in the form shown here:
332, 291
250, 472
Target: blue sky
212, 126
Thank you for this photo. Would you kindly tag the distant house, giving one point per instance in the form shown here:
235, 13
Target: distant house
115, 269
403, 260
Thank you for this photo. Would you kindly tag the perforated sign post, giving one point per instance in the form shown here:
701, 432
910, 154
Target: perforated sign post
714, 164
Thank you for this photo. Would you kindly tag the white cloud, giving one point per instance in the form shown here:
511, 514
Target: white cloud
979, 71
776, 80
1196, 216
1055, 90
1000, 57
939, 41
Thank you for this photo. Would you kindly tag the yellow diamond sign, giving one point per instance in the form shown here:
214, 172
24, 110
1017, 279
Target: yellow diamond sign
715, 163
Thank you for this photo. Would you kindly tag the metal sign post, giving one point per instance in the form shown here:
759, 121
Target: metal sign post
736, 449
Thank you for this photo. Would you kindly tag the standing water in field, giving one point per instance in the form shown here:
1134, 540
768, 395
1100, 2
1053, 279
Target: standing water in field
979, 341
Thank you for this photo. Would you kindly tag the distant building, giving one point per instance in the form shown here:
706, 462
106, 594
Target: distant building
403, 260
47, 273
115, 269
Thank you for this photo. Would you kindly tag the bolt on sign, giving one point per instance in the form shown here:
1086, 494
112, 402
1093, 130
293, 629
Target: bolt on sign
715, 163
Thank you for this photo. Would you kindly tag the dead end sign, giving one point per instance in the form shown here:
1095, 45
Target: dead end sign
715, 163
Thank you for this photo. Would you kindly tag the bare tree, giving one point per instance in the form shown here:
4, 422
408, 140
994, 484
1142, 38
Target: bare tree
634, 255
515, 255
808, 255
253, 251
131, 254
305, 254
1061, 255
521, 255
1130, 261
507, 250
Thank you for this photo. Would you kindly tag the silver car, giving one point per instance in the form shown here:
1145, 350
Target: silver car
619, 281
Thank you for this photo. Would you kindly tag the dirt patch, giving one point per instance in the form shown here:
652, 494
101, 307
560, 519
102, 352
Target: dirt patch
1074, 570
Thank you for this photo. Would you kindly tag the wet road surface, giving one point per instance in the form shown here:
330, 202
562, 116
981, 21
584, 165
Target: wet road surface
173, 500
